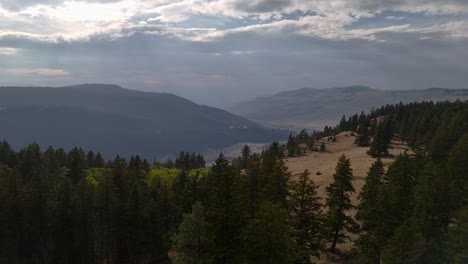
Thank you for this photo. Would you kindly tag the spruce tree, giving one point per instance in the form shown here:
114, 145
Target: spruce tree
99, 161
226, 212
368, 195
268, 237
382, 139
306, 206
253, 171
90, 159
323, 147
245, 155
363, 138
339, 203
369, 212
192, 242
292, 145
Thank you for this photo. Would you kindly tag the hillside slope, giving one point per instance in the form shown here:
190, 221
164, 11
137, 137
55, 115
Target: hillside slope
119, 121
325, 163
315, 108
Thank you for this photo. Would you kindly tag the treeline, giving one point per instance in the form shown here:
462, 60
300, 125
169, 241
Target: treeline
416, 211
300, 143
59, 207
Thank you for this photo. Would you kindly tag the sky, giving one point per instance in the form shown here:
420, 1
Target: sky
219, 52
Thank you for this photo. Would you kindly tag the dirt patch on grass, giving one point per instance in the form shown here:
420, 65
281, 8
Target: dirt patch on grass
325, 163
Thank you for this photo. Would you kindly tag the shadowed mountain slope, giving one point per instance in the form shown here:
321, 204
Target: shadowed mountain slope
119, 121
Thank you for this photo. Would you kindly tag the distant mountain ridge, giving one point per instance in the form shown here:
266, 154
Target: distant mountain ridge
315, 108
114, 120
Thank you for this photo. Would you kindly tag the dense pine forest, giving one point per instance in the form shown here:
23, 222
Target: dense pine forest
75, 207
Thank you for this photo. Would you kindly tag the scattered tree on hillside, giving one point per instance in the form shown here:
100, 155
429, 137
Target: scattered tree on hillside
338, 203
382, 139
363, 138
292, 145
323, 147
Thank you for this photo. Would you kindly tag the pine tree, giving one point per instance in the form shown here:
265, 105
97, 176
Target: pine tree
382, 139
338, 203
76, 163
369, 212
369, 194
306, 206
245, 155
323, 147
90, 159
226, 209
99, 161
192, 242
275, 185
292, 145
363, 138
253, 171
268, 238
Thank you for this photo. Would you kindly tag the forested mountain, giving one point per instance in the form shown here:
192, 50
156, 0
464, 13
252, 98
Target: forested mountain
60, 207
315, 108
119, 121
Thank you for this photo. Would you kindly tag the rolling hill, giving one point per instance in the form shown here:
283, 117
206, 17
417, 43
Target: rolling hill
114, 120
315, 108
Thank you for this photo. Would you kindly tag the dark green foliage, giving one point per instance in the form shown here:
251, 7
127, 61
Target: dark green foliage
363, 137
323, 147
454, 244
186, 161
192, 243
76, 162
245, 156
268, 237
292, 145
369, 213
382, 138
306, 206
338, 203
421, 199
59, 207
369, 195
226, 210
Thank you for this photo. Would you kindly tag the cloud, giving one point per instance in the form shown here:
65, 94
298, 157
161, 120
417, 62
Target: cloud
394, 17
215, 51
57, 21
8, 51
42, 72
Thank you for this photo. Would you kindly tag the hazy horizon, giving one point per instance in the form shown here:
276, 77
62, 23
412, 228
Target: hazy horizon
224, 106
226, 51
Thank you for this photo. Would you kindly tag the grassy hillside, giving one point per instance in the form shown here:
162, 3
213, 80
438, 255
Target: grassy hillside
315, 108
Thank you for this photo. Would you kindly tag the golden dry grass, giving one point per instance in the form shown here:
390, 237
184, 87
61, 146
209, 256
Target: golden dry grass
325, 162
